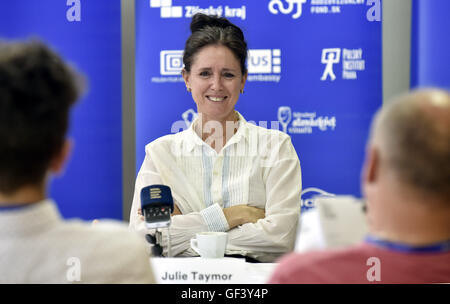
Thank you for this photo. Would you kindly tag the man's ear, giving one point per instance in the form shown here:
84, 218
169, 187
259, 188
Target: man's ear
60, 159
371, 165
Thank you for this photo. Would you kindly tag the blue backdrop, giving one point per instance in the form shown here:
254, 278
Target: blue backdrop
87, 34
315, 69
430, 49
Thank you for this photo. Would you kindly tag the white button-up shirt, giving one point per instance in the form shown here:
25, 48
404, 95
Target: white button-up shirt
257, 167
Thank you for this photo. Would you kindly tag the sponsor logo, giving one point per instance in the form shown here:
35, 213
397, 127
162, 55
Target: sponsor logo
330, 57
304, 122
332, 6
155, 193
309, 195
276, 6
264, 65
352, 63
284, 117
296, 8
171, 62
168, 10
189, 116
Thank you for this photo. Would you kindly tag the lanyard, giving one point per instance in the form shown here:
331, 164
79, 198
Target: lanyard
13, 207
432, 248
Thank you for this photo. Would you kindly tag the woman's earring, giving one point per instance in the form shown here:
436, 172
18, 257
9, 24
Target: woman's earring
188, 89
242, 91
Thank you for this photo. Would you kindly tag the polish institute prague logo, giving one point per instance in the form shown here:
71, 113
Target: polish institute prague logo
352, 61
329, 58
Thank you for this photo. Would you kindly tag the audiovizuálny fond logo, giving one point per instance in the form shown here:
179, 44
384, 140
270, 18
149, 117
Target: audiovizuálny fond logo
304, 122
296, 8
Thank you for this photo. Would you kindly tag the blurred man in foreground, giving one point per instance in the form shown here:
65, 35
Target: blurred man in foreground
406, 181
37, 90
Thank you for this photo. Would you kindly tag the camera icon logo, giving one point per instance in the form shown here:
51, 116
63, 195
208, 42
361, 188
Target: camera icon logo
171, 62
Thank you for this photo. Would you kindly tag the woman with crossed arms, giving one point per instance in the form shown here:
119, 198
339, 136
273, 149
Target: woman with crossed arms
225, 174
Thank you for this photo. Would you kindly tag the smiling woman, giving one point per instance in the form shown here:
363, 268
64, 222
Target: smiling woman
215, 81
232, 176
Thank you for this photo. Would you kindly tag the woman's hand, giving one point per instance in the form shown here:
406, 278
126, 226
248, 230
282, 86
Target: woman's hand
242, 214
176, 210
141, 216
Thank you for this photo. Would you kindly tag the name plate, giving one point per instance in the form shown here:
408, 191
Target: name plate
198, 270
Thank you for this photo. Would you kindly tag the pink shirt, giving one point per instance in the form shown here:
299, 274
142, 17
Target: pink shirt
354, 266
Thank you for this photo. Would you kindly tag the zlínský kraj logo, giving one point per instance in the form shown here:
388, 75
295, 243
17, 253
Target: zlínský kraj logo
352, 63
264, 65
304, 122
296, 8
169, 10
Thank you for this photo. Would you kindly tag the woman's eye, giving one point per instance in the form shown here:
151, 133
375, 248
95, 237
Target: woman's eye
228, 75
204, 73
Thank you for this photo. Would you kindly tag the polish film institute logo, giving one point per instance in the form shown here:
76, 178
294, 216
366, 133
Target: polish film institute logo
329, 58
276, 6
171, 62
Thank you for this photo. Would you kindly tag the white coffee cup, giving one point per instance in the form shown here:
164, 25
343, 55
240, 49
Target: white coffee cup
210, 244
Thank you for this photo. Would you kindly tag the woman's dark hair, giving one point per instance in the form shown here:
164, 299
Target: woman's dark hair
211, 30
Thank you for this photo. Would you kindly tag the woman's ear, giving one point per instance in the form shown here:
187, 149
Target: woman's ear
186, 75
244, 79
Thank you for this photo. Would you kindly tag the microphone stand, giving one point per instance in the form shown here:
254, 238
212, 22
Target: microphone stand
169, 245
156, 240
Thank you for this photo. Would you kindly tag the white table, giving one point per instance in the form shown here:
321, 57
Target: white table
197, 270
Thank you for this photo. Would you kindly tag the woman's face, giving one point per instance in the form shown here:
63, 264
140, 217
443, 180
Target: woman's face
215, 80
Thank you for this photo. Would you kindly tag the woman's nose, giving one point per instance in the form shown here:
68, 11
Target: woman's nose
216, 83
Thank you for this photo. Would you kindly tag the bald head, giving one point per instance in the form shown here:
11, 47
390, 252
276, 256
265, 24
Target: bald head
412, 134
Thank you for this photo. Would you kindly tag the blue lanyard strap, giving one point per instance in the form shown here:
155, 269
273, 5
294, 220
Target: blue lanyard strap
12, 207
436, 247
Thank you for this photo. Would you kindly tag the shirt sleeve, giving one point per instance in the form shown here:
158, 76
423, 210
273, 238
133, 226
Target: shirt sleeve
275, 234
183, 227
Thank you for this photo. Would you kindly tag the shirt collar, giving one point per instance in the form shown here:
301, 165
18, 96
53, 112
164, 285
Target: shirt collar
195, 140
34, 217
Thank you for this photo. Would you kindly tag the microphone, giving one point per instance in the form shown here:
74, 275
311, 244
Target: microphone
156, 205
